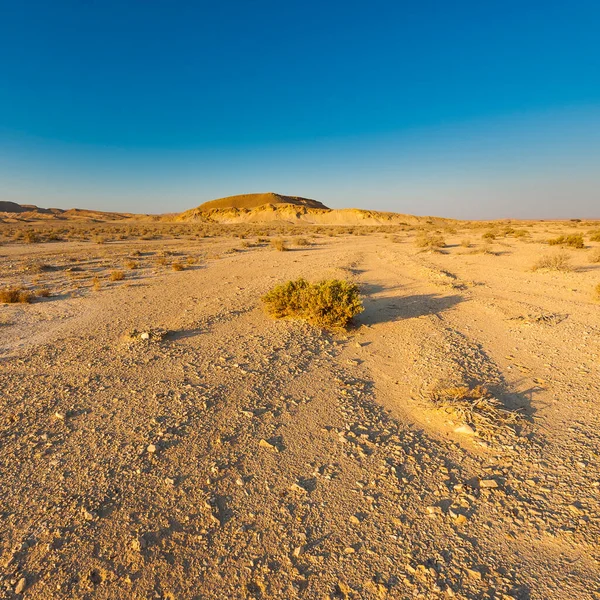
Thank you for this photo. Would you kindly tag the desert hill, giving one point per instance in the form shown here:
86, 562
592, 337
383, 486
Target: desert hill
249, 201
246, 208
271, 207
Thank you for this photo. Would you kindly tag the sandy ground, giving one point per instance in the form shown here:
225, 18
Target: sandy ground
234, 456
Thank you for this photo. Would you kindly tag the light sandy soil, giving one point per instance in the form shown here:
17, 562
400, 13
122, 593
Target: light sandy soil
234, 456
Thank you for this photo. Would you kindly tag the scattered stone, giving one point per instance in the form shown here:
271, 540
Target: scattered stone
264, 444
488, 484
151, 449
21, 585
466, 429
354, 520
298, 488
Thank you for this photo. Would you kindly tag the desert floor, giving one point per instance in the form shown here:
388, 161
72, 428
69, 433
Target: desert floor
231, 455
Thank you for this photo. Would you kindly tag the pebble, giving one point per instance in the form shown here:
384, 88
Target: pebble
151, 448
265, 444
21, 585
466, 429
488, 483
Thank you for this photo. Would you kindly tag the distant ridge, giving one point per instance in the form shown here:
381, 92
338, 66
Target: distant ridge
13, 212
256, 200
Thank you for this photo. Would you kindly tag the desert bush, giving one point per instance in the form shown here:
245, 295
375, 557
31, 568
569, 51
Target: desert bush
191, 260
595, 235
465, 243
597, 292
595, 256
302, 242
116, 275
96, 284
13, 295
554, 262
574, 240
31, 237
329, 303
430, 241
177, 266
279, 244
489, 235
43, 292
132, 264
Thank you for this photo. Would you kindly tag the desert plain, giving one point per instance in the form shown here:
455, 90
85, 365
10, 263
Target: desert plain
163, 437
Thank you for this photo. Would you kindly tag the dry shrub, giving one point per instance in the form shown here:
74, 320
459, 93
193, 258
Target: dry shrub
177, 266
192, 260
597, 292
279, 244
132, 264
430, 241
116, 275
13, 295
465, 243
573, 241
302, 242
96, 284
489, 235
31, 237
161, 261
595, 235
43, 292
595, 256
329, 303
475, 407
553, 262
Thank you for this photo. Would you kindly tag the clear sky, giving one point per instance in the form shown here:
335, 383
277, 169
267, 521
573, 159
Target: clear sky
464, 109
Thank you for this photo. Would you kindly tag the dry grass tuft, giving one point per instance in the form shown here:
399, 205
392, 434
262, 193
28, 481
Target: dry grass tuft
555, 262
116, 275
329, 303
595, 256
430, 241
279, 244
302, 242
96, 284
595, 235
43, 292
14, 295
132, 264
573, 241
597, 292
477, 408
177, 266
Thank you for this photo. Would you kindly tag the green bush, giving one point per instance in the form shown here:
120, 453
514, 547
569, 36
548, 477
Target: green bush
329, 303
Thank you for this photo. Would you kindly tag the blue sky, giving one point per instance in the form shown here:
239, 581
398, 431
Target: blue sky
466, 109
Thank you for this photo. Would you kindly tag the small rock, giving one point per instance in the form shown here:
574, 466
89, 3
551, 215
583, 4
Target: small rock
466, 429
151, 449
298, 488
145, 335
488, 483
21, 585
265, 444
354, 520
